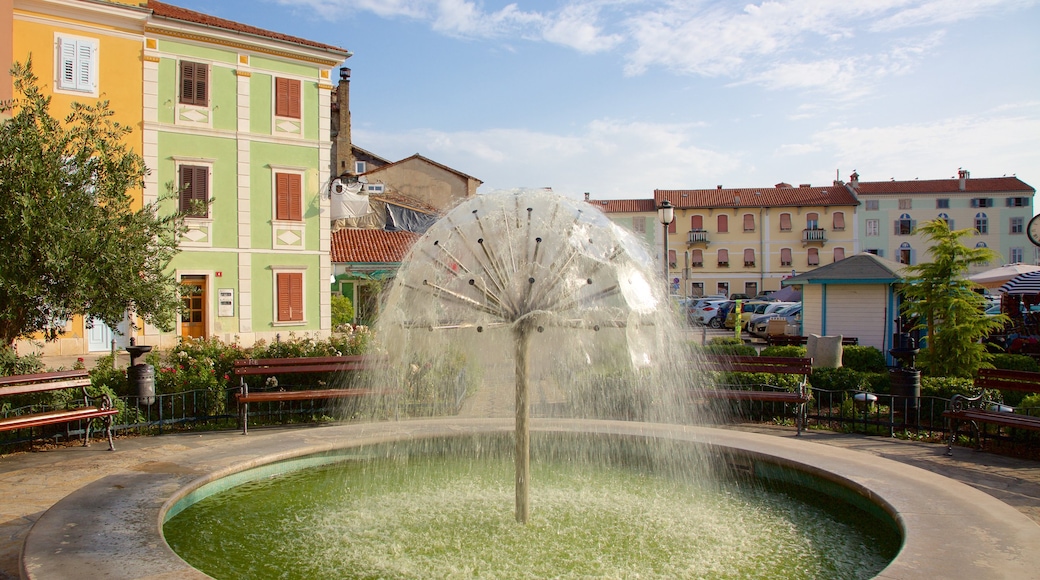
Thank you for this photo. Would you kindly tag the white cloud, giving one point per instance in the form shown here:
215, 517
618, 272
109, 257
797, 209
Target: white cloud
608, 158
575, 26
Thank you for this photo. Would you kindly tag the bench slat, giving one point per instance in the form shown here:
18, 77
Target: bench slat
43, 387
43, 377
53, 417
996, 418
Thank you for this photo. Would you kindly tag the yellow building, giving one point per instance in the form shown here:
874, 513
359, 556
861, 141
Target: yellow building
81, 52
746, 240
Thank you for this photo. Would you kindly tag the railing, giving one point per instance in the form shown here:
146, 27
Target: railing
697, 237
814, 235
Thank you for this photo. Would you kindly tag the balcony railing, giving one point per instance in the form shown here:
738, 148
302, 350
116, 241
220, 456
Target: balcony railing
697, 237
814, 235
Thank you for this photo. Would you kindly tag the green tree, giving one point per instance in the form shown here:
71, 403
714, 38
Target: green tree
342, 310
945, 304
72, 241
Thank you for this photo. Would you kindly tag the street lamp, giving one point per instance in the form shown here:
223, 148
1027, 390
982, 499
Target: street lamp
665, 213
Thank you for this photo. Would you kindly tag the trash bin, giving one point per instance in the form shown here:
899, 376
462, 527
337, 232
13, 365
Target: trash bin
142, 378
906, 383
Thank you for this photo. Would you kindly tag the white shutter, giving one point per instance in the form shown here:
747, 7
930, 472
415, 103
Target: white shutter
84, 66
77, 64
67, 60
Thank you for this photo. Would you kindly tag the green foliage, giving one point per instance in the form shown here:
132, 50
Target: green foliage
12, 364
945, 305
863, 358
731, 340
790, 351
847, 378
1014, 362
947, 387
728, 349
73, 242
342, 311
105, 377
1030, 401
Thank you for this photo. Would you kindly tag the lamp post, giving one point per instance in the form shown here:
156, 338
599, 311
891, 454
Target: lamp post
665, 213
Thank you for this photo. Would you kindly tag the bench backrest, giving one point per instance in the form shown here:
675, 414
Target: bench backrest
43, 382
1006, 380
758, 364
314, 364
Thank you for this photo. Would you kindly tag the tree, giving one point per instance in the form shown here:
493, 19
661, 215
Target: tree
342, 310
72, 242
945, 304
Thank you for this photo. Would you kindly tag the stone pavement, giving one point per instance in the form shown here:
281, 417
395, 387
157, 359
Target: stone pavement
34, 481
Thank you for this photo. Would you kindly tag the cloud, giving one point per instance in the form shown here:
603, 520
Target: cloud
608, 158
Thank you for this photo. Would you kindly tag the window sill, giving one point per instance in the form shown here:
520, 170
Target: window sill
289, 323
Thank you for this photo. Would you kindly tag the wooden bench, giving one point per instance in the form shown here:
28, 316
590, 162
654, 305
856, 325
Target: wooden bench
271, 367
92, 408
793, 340
765, 393
978, 410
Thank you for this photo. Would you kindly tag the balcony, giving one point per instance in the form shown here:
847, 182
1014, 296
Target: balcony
697, 237
814, 236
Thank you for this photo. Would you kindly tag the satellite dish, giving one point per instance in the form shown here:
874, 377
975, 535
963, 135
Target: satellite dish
339, 188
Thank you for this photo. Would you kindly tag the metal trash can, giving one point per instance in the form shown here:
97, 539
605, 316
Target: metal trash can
906, 383
142, 377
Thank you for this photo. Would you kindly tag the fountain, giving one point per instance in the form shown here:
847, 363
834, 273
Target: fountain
596, 358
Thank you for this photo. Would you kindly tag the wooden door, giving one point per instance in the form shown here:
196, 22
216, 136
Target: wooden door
193, 313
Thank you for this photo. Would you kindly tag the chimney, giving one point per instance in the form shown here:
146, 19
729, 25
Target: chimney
854, 179
963, 174
719, 186
342, 150
804, 185
586, 196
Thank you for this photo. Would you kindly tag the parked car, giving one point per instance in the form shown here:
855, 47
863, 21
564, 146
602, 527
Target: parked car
721, 311
706, 309
747, 310
769, 309
792, 315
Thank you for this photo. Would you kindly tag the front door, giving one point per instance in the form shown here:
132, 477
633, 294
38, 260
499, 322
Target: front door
100, 336
193, 313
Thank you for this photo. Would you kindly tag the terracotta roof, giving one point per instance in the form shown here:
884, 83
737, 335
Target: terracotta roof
164, 10
971, 185
372, 246
624, 205
834, 194
425, 160
399, 199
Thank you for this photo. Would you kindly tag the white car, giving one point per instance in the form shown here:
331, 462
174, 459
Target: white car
791, 312
705, 310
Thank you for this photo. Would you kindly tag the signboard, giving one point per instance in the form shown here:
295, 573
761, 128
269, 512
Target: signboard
226, 302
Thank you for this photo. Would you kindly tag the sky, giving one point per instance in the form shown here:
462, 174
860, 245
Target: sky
617, 98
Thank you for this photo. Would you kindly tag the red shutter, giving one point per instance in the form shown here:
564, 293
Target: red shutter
723, 257
749, 222
184, 183
295, 197
785, 256
697, 222
839, 220
281, 97
749, 257
839, 254
814, 256
723, 223
201, 81
296, 296
671, 226
284, 297
785, 222
697, 257
281, 196
294, 99
188, 82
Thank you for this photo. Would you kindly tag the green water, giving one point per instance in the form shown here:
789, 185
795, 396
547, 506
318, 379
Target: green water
417, 516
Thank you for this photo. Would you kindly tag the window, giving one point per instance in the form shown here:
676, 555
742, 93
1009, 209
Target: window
906, 204
906, 253
981, 223
838, 220
697, 258
1017, 255
639, 224
751, 288
1017, 202
873, 227
723, 223
77, 58
785, 222
877, 252
723, 258
360, 167
287, 98
193, 181
981, 202
942, 203
722, 289
812, 221
288, 193
290, 296
814, 256
839, 254
194, 84
946, 218
749, 258
871, 205
671, 258
1018, 225
697, 289
749, 222
697, 223
671, 226
785, 257
904, 226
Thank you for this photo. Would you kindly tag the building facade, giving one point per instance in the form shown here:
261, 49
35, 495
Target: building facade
236, 132
81, 52
746, 240
997, 208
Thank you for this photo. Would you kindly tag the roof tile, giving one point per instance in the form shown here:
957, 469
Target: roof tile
379, 246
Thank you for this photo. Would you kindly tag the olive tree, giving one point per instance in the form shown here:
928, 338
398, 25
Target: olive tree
945, 304
72, 240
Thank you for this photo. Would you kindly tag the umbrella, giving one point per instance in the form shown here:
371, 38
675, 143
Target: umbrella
997, 276
790, 294
1028, 283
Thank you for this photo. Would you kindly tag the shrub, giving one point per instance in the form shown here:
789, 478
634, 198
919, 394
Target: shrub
725, 340
790, 351
847, 378
12, 364
947, 387
1014, 362
1030, 401
865, 359
342, 311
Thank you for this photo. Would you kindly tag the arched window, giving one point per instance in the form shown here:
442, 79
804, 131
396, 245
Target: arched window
981, 223
812, 221
697, 222
723, 223
785, 257
814, 256
723, 258
749, 222
904, 225
839, 254
749, 257
697, 258
838, 220
785, 222
906, 253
